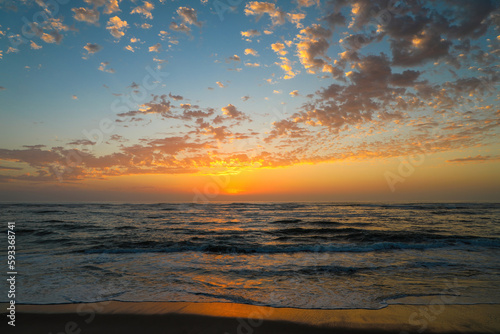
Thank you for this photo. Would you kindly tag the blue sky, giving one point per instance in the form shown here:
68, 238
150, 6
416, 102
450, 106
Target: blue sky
213, 88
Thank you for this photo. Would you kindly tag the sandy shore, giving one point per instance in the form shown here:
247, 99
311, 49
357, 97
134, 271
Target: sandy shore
178, 317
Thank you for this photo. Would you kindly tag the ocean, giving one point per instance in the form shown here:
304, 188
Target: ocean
302, 255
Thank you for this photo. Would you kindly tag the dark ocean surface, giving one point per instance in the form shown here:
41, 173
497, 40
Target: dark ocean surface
305, 255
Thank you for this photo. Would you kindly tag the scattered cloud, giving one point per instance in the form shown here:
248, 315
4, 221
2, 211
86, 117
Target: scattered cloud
92, 48
279, 48
234, 58
477, 158
312, 48
389, 90
307, 3
117, 27
296, 18
258, 9
250, 33
144, 10
232, 112
86, 15
104, 67
189, 16
111, 7
35, 46
180, 27
286, 66
155, 48
251, 52
175, 97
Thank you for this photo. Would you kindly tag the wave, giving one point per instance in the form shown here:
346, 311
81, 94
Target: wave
162, 247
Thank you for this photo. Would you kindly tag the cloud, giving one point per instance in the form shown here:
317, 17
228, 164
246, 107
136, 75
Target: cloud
175, 97
111, 7
234, 58
296, 18
160, 61
477, 158
74, 97
405, 79
155, 48
9, 168
335, 19
2, 88
312, 50
116, 27
307, 3
104, 67
179, 27
250, 33
164, 108
50, 30
258, 9
81, 142
220, 84
92, 48
151, 156
12, 50
421, 49
252, 64
144, 10
189, 16
279, 48
378, 101
146, 26
286, 65
35, 46
251, 52
284, 128
158, 106
129, 48
232, 112
53, 37
86, 15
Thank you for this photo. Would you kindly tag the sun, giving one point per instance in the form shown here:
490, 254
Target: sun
234, 191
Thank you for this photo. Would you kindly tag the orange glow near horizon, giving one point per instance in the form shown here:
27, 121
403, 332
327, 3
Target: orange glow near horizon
325, 181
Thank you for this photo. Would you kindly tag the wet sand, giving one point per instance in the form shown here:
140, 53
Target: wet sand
180, 317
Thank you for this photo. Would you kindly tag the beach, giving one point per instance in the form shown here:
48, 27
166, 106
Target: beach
181, 317
256, 268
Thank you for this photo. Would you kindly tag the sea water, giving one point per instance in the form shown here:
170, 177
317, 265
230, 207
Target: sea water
304, 255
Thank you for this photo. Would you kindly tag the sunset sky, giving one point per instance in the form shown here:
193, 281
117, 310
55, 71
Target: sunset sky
231, 100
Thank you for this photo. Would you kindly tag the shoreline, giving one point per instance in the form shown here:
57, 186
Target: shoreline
189, 317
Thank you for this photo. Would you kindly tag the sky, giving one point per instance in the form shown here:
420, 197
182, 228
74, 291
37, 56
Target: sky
232, 100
